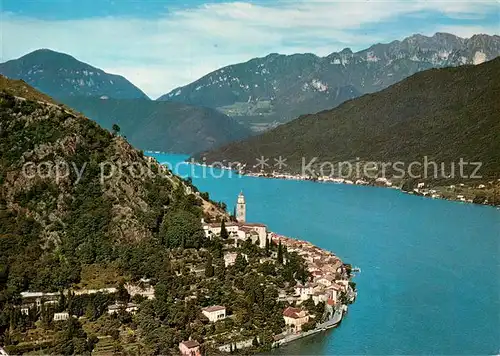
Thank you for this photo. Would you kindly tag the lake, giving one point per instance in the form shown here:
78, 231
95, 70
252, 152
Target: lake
430, 280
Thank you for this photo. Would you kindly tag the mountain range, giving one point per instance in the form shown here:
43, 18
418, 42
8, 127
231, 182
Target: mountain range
278, 88
111, 99
235, 102
444, 114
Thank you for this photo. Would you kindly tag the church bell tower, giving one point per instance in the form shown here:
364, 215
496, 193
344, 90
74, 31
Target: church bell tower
241, 209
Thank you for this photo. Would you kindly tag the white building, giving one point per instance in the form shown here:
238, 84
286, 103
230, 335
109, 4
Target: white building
343, 284
304, 292
214, 229
324, 281
230, 258
36, 299
109, 290
333, 292
241, 230
61, 316
129, 308
214, 313
319, 297
238, 231
255, 232
147, 292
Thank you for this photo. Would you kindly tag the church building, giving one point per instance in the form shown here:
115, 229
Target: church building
240, 230
241, 208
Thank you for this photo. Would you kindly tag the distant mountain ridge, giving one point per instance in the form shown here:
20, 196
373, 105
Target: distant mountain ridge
162, 126
61, 75
111, 99
444, 114
280, 87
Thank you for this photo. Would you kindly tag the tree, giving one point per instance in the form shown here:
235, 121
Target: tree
209, 267
310, 325
280, 253
46, 315
267, 246
240, 263
72, 339
63, 303
223, 231
181, 229
479, 198
255, 342
216, 247
116, 129
122, 293
309, 305
220, 269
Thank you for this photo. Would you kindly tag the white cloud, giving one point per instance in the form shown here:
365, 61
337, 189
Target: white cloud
176, 48
468, 31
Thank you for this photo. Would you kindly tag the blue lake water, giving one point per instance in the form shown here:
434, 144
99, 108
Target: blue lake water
430, 281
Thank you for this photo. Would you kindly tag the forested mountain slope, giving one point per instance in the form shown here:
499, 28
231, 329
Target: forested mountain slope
444, 114
162, 126
73, 194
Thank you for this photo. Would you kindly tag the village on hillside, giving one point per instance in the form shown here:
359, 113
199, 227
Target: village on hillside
315, 301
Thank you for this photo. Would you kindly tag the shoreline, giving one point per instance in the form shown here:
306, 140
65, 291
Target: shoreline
313, 256
330, 283
466, 193
421, 190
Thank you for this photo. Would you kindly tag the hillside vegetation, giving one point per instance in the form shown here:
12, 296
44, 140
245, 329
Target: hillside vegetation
21, 89
444, 114
50, 224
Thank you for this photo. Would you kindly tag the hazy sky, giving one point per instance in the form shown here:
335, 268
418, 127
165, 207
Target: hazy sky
162, 44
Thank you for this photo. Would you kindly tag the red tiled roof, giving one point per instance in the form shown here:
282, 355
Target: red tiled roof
214, 308
191, 344
253, 224
335, 286
218, 224
292, 312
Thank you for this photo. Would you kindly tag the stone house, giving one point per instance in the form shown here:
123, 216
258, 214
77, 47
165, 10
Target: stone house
295, 318
61, 316
190, 348
129, 308
214, 313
